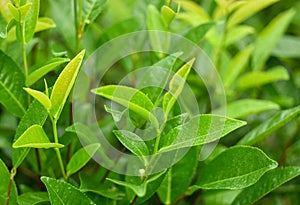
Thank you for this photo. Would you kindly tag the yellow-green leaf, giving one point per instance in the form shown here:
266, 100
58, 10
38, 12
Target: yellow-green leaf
41, 97
64, 84
35, 137
44, 23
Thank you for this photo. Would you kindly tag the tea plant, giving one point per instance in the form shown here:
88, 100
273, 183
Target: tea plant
207, 111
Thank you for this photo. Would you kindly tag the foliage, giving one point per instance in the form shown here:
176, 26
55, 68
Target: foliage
180, 137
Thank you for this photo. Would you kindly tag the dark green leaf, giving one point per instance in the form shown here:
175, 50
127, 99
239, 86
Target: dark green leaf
287, 47
91, 9
12, 81
81, 157
132, 142
62, 193
266, 184
181, 173
235, 168
197, 33
269, 126
32, 198
199, 130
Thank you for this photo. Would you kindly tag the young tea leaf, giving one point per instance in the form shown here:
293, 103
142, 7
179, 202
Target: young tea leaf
91, 9
269, 126
81, 157
64, 84
245, 167
40, 72
35, 137
62, 193
4, 182
176, 85
167, 14
41, 97
44, 23
130, 98
35, 114
12, 81
267, 183
31, 19
199, 130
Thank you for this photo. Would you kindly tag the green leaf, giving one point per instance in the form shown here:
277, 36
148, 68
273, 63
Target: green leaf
40, 72
266, 184
62, 193
20, 13
262, 77
64, 84
199, 130
247, 10
35, 137
132, 142
235, 168
3, 27
268, 38
269, 126
237, 66
130, 98
44, 23
287, 47
32, 198
107, 189
167, 14
238, 32
31, 19
41, 97
91, 9
4, 182
139, 189
197, 33
185, 169
176, 85
245, 107
12, 81
81, 158
35, 114
4, 10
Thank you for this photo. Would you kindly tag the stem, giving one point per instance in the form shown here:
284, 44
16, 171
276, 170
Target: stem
12, 175
78, 22
54, 122
38, 161
24, 51
156, 144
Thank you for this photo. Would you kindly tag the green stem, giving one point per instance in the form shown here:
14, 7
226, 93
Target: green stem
24, 51
54, 122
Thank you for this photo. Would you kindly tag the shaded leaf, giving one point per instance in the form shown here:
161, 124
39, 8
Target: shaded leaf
108, 189
185, 169
269, 126
81, 158
199, 130
40, 72
12, 81
197, 33
259, 78
245, 167
4, 182
287, 47
243, 108
130, 98
35, 114
267, 183
32, 198
268, 38
64, 84
35, 137
63, 193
